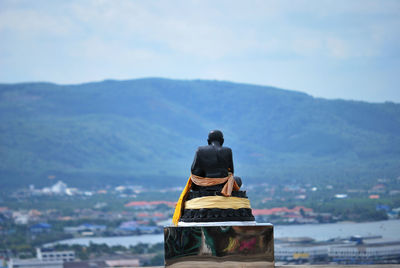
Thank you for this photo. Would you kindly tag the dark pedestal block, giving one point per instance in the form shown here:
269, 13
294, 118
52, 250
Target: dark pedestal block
219, 246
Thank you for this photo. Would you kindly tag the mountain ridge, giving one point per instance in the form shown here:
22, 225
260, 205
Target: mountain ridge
189, 80
146, 128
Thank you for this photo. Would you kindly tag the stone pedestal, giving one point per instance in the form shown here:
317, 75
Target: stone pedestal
219, 246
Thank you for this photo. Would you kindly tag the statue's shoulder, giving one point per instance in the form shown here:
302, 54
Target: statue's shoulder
226, 149
203, 148
207, 148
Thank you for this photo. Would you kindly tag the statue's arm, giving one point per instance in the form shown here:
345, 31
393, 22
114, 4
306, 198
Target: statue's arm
196, 168
230, 168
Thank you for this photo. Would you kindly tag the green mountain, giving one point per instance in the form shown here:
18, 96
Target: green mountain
146, 131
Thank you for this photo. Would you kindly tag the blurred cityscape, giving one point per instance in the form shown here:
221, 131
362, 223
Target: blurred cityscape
67, 220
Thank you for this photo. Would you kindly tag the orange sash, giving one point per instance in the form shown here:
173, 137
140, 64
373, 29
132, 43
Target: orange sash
202, 181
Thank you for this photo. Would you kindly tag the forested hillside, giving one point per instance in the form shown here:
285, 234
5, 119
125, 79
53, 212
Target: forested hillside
146, 131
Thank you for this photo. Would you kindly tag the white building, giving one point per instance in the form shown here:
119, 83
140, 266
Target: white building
34, 263
45, 258
47, 255
59, 188
301, 252
366, 251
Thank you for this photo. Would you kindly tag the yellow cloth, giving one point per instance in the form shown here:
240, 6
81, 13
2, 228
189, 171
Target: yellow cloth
178, 207
221, 202
201, 181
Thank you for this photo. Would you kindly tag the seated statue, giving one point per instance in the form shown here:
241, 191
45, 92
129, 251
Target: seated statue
212, 192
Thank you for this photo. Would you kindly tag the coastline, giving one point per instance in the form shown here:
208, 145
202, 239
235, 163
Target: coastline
387, 229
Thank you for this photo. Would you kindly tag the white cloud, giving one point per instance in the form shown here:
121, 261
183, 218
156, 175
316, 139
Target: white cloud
203, 29
34, 22
113, 52
337, 48
259, 41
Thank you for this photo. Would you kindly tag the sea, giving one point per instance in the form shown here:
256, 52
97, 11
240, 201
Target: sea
387, 229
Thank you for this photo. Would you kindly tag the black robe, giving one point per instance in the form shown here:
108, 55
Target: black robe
212, 161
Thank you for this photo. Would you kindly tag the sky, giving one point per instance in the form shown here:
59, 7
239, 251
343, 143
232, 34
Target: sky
330, 49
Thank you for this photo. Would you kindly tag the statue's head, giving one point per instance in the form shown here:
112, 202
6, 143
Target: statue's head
215, 135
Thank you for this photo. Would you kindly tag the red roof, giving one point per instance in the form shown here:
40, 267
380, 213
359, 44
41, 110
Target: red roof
273, 211
2, 209
149, 203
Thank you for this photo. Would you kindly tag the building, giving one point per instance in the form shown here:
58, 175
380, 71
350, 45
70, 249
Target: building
59, 188
85, 228
49, 254
372, 252
125, 263
34, 263
355, 250
301, 250
134, 227
40, 228
45, 258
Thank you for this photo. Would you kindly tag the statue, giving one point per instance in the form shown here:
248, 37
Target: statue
212, 192
213, 161
214, 225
